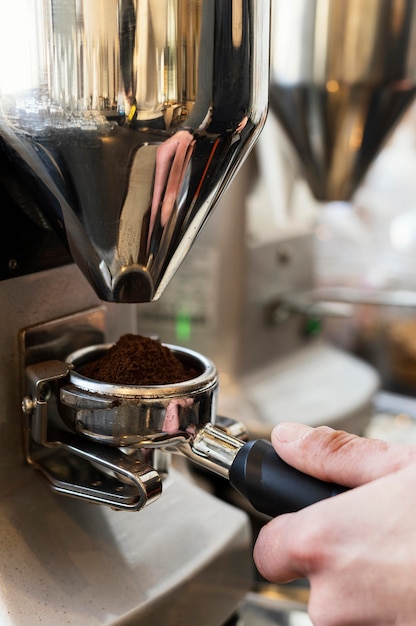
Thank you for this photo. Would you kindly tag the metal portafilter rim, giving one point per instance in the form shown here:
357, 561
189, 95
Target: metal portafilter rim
205, 379
138, 415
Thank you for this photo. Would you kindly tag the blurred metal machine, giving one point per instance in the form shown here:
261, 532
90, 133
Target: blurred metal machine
120, 130
347, 70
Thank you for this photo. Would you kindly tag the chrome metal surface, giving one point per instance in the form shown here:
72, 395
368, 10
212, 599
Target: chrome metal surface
342, 74
75, 466
104, 448
126, 120
276, 605
401, 298
212, 448
129, 415
177, 418
107, 477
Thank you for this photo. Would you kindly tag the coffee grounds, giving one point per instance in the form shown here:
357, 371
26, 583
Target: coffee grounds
138, 360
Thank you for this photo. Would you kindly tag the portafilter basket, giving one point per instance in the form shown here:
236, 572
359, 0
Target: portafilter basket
118, 428
138, 415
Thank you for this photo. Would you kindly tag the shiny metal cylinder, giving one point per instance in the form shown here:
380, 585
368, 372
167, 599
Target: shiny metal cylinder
126, 120
342, 74
129, 415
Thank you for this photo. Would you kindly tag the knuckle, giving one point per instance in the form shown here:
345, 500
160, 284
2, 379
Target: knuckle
334, 447
334, 440
308, 549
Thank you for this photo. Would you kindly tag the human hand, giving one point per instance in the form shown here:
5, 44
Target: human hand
357, 549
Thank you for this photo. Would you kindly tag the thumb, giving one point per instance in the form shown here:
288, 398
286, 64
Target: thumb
338, 456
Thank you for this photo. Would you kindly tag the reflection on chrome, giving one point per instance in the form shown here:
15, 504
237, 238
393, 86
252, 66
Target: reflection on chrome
127, 119
341, 77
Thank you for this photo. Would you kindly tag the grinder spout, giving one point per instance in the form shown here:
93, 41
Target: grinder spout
342, 76
125, 126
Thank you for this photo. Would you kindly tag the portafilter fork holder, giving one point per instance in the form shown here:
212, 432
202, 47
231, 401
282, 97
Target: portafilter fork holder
102, 442
96, 441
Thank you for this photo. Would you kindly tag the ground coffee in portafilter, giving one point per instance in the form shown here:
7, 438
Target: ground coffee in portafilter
138, 360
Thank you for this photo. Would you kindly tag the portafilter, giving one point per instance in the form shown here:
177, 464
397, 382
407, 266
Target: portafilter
120, 427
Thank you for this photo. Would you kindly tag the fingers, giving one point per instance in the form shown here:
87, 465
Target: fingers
337, 456
318, 537
348, 547
274, 549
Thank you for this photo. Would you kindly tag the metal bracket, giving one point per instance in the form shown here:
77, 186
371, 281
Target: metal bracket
99, 474
72, 464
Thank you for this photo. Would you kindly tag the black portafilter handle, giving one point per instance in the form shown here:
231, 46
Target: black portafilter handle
272, 486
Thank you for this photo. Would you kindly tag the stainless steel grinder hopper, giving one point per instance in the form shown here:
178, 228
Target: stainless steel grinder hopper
342, 76
124, 121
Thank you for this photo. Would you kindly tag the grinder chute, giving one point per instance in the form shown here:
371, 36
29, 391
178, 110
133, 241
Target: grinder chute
127, 119
342, 75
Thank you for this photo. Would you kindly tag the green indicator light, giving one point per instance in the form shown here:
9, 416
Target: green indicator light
313, 326
183, 326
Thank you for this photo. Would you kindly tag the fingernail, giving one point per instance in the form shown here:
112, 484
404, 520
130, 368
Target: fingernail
288, 432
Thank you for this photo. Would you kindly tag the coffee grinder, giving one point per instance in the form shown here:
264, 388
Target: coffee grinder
122, 124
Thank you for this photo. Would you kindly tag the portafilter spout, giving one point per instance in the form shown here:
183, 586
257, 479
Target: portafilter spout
342, 76
126, 120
